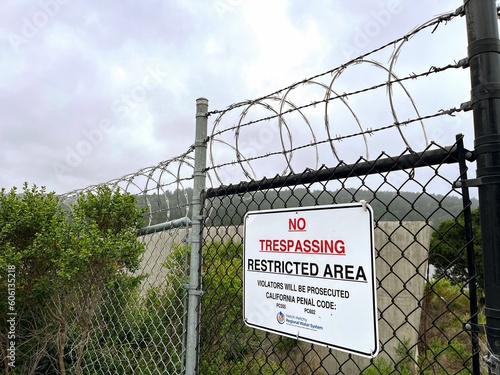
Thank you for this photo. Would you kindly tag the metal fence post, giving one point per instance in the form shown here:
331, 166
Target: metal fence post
484, 61
471, 268
194, 287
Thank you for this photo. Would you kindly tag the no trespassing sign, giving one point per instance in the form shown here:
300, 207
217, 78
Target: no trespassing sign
309, 273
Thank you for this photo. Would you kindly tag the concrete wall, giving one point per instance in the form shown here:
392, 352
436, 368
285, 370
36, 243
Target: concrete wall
158, 247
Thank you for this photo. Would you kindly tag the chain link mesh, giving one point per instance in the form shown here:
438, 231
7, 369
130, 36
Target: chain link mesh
140, 326
422, 312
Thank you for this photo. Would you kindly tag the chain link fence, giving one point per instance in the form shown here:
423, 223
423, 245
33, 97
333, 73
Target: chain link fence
139, 321
140, 327
422, 312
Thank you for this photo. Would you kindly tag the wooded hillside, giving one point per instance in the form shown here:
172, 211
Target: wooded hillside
387, 206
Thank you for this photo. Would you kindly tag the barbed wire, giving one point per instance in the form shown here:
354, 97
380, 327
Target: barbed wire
345, 95
436, 21
280, 106
285, 107
152, 183
369, 131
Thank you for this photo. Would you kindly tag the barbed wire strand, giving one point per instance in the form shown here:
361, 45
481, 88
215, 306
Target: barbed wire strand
431, 70
370, 131
443, 18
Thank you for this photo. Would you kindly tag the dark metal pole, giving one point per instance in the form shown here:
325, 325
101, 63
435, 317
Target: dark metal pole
484, 62
471, 267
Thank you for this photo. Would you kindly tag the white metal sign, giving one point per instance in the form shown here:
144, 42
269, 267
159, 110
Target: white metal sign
309, 273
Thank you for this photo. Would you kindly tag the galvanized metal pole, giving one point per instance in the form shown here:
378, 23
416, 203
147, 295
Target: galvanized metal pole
194, 287
484, 62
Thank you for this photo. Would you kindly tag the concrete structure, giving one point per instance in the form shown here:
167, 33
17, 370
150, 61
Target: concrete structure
158, 247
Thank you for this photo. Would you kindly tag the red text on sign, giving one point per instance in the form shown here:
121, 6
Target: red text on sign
297, 224
331, 247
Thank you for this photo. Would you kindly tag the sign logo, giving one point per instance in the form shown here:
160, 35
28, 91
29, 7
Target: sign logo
280, 317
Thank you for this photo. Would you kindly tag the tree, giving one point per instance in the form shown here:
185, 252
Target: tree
64, 262
448, 251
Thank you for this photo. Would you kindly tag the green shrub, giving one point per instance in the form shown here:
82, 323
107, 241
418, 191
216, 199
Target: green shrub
404, 363
446, 347
65, 262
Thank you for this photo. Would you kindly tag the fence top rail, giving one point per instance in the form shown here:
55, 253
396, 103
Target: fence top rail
383, 164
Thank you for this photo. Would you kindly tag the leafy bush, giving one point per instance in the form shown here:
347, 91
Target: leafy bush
445, 346
64, 262
403, 366
448, 249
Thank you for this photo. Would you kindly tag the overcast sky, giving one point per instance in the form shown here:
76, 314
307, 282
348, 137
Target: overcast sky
92, 90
